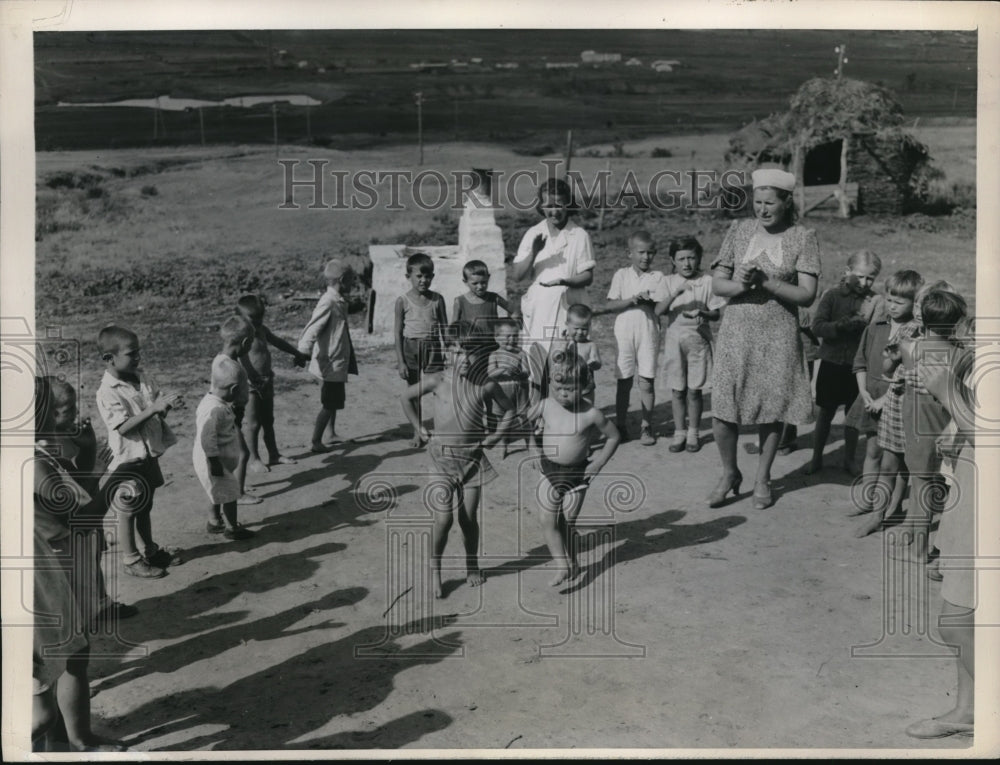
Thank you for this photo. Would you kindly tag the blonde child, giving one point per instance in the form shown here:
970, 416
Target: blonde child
633, 295
217, 452
570, 425
133, 410
237, 336
690, 305
479, 307
574, 341
840, 318
260, 406
509, 367
887, 488
420, 318
456, 447
326, 339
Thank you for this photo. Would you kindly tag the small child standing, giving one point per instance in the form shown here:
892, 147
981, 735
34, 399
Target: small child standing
133, 411
574, 342
509, 367
633, 295
456, 449
217, 452
420, 319
887, 491
260, 406
326, 340
479, 307
690, 305
570, 425
237, 336
841, 317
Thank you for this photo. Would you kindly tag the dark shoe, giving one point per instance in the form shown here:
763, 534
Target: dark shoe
693, 445
623, 436
143, 570
215, 528
163, 558
786, 449
934, 571
725, 485
751, 448
239, 532
677, 445
762, 499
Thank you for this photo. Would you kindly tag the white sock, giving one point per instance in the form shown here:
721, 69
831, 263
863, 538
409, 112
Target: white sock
692, 433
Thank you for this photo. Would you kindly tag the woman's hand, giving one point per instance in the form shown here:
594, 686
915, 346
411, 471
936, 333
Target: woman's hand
537, 245
401, 368
745, 274
553, 283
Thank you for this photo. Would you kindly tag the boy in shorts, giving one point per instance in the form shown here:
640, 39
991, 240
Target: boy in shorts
260, 406
458, 463
570, 425
327, 341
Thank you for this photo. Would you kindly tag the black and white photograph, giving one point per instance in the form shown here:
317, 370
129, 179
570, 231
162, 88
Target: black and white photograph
440, 380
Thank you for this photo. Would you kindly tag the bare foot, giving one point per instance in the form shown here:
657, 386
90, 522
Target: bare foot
562, 575
475, 578
318, 448
416, 442
283, 460
814, 466
249, 499
438, 586
257, 466
850, 469
870, 526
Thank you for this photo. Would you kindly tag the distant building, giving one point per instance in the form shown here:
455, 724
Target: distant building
475, 60
506, 65
633, 62
561, 65
593, 57
303, 64
664, 65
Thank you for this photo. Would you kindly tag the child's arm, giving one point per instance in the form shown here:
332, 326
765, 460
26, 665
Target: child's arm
594, 360
608, 428
502, 302
397, 335
283, 345
320, 316
209, 440
160, 406
823, 323
441, 317
456, 309
494, 393
426, 384
664, 305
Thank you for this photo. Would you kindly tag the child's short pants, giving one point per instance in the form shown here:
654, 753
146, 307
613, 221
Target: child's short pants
564, 478
836, 386
333, 395
637, 350
687, 359
460, 465
421, 355
130, 487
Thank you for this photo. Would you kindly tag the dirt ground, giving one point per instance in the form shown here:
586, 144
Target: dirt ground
689, 627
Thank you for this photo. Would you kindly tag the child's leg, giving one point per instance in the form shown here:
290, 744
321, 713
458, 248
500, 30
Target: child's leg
622, 395
124, 505
251, 429
927, 493
265, 416
647, 400
869, 477
957, 630
572, 504
215, 516
440, 500
331, 426
229, 510
881, 493
678, 405
144, 528
850, 448
789, 435
319, 427
552, 521
44, 713
468, 521
73, 698
695, 404
241, 466
824, 416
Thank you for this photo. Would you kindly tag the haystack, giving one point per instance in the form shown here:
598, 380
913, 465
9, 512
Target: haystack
844, 137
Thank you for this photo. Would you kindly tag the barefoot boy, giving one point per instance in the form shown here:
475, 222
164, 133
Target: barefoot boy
237, 335
260, 406
456, 450
570, 425
327, 341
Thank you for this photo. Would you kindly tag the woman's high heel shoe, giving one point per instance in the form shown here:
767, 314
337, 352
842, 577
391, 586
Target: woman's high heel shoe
762, 499
725, 485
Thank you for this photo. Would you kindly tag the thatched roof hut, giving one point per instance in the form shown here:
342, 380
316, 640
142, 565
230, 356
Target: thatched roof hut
843, 135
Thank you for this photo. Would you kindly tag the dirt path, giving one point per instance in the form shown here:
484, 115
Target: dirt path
691, 627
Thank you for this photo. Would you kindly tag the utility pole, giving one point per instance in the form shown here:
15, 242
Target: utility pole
841, 51
274, 122
420, 124
201, 125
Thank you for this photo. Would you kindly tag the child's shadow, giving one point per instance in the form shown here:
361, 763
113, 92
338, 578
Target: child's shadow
640, 542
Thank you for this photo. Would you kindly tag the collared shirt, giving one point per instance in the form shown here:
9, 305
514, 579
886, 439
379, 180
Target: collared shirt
327, 338
841, 302
688, 294
118, 401
626, 284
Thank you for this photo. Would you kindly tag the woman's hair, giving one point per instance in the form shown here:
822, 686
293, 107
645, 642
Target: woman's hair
791, 211
685, 243
554, 188
419, 261
904, 284
474, 268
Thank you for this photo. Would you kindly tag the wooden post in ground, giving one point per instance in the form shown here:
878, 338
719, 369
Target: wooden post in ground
201, 125
420, 125
604, 199
569, 152
845, 204
274, 124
